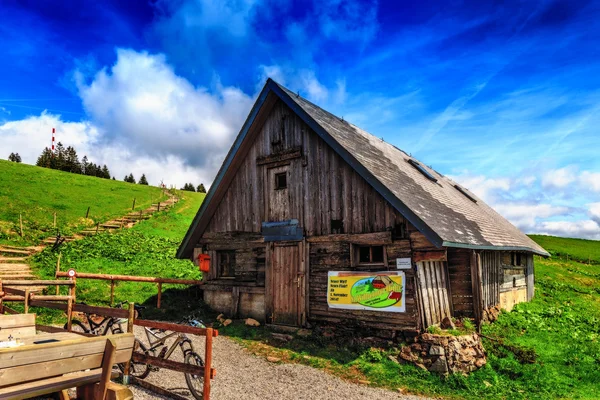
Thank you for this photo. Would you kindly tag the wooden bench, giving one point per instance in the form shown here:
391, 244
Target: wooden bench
85, 363
16, 326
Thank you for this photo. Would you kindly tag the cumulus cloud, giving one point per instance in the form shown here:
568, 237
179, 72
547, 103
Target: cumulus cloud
527, 216
535, 206
143, 118
582, 229
590, 180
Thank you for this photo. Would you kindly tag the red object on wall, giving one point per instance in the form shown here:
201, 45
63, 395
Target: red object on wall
204, 262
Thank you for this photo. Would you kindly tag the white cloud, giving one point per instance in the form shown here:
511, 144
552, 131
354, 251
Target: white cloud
527, 216
587, 229
29, 136
143, 118
559, 178
594, 211
590, 180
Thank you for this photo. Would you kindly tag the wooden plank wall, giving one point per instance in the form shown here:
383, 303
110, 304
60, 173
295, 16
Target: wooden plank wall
491, 277
433, 292
321, 186
459, 271
530, 277
328, 256
249, 255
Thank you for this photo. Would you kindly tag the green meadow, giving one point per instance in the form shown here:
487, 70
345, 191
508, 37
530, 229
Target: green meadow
36, 193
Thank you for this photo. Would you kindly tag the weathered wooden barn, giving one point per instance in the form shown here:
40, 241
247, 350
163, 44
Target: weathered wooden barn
311, 219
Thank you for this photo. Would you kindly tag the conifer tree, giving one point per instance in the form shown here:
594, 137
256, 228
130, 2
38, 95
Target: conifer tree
201, 188
143, 180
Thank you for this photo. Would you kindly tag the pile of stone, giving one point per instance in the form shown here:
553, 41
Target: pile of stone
445, 354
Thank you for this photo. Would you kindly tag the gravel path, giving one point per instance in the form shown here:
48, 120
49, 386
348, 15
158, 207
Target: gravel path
241, 375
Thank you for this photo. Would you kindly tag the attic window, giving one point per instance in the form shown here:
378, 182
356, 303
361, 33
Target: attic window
369, 255
465, 193
281, 181
422, 170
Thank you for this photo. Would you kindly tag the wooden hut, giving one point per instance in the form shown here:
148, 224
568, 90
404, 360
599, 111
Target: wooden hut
311, 219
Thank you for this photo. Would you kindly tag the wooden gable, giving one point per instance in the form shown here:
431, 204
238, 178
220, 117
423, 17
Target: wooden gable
321, 190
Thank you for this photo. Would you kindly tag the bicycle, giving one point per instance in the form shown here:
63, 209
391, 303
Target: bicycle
157, 338
95, 328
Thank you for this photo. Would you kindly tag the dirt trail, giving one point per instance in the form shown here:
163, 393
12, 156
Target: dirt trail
241, 375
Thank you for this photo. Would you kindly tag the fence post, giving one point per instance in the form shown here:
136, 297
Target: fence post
159, 295
158, 210
133, 206
55, 219
112, 291
58, 269
21, 223
207, 364
26, 301
87, 213
130, 320
69, 313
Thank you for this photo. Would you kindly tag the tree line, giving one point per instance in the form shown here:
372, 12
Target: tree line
191, 188
66, 159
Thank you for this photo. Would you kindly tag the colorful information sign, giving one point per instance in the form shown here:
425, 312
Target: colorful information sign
372, 291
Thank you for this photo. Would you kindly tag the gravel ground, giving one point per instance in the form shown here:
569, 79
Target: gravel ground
241, 375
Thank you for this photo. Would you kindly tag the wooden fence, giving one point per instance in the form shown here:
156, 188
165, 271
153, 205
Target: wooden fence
127, 278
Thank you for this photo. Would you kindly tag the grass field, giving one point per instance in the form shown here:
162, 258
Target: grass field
148, 249
577, 249
37, 193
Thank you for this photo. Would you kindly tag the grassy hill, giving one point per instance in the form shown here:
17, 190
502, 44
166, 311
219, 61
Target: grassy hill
37, 193
147, 249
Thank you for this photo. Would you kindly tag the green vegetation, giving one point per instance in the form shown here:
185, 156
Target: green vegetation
148, 249
582, 250
547, 348
37, 193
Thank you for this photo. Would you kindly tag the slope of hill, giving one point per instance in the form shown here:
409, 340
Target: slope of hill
37, 193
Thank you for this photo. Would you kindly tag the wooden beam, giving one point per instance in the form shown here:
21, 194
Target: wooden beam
170, 364
377, 238
167, 326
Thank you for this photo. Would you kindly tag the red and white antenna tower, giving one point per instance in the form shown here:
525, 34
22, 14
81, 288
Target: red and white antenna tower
53, 139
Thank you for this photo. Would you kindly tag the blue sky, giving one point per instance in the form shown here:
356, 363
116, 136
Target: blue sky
502, 96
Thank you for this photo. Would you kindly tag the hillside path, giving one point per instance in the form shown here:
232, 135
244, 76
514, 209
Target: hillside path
242, 375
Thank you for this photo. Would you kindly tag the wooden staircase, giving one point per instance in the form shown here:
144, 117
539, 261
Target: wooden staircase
13, 264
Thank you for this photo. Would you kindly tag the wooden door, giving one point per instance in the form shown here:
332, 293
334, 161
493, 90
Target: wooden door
433, 292
287, 283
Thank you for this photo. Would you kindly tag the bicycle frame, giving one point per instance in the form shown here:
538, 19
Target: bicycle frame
95, 327
161, 340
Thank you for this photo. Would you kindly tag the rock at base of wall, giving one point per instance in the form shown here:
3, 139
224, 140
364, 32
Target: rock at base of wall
445, 354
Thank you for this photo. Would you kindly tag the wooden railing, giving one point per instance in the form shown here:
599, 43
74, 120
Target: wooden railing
129, 278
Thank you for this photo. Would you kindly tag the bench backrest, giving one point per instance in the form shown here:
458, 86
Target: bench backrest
41, 361
17, 325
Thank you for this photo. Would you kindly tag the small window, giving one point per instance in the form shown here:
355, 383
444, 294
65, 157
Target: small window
465, 193
337, 226
422, 169
226, 263
370, 255
281, 181
517, 259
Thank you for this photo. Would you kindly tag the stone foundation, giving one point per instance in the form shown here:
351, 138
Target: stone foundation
445, 354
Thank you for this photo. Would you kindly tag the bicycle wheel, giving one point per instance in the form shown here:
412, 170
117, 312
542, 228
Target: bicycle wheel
138, 370
77, 326
195, 382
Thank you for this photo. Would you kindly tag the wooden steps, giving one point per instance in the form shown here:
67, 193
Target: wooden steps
4, 260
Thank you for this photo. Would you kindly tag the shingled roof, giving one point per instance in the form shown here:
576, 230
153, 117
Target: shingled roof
447, 214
